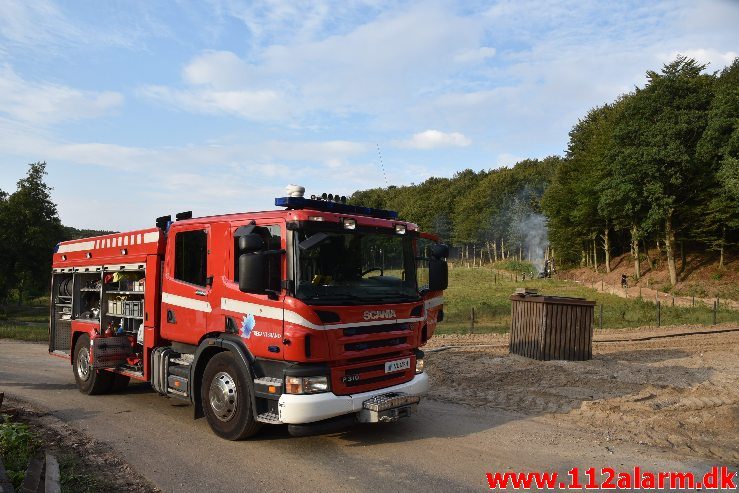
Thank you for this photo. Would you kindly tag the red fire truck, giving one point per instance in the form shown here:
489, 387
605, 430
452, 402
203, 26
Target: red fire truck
311, 316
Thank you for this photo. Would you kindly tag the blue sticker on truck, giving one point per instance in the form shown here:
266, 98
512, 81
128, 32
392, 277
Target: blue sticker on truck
247, 326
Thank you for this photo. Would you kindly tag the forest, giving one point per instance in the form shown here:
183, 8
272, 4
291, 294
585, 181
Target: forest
658, 166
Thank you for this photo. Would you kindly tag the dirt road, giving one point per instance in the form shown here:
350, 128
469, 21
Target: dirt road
505, 422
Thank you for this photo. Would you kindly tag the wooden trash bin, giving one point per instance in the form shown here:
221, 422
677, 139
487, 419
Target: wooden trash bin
551, 327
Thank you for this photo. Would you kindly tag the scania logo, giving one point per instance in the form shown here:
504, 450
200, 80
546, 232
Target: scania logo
379, 314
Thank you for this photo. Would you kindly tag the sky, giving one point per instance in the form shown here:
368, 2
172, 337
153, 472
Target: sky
143, 109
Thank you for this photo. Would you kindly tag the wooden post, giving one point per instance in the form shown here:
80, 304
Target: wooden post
600, 321
472, 321
601, 286
673, 300
659, 314
715, 307
693, 301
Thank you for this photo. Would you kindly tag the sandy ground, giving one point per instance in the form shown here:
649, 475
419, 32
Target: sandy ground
647, 386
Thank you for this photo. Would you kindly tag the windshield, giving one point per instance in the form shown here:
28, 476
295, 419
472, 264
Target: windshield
351, 267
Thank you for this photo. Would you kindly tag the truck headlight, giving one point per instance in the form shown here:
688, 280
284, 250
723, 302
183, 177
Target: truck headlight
306, 385
419, 365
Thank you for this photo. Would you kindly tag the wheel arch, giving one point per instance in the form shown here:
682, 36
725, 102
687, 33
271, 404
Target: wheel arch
209, 347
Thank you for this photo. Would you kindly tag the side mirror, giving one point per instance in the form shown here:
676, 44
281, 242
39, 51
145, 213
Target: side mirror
252, 264
438, 274
439, 251
253, 273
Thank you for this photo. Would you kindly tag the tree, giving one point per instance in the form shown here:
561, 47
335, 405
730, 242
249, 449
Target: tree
656, 140
32, 230
717, 212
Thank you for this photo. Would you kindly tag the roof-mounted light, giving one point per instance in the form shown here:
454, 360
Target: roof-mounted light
349, 223
400, 229
339, 208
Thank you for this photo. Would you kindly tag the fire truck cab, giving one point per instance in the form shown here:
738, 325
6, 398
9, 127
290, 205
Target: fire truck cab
310, 316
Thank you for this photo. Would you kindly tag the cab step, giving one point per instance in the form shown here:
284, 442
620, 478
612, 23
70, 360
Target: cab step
269, 418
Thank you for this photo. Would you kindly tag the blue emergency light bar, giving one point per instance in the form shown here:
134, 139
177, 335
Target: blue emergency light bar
328, 206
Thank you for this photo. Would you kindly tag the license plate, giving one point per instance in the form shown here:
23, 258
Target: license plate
401, 364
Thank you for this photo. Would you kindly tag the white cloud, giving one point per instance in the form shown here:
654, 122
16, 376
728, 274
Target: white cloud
257, 105
431, 139
715, 59
44, 102
475, 55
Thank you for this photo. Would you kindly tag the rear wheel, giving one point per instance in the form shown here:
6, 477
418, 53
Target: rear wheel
226, 397
89, 380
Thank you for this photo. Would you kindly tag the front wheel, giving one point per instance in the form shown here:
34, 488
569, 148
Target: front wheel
89, 380
227, 400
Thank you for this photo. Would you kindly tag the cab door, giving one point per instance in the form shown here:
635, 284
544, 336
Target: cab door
187, 284
257, 318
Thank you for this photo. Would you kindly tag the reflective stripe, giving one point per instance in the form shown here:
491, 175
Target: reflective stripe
151, 237
293, 317
76, 247
434, 302
181, 301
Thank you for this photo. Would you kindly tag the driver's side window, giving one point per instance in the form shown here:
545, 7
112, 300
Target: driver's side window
272, 236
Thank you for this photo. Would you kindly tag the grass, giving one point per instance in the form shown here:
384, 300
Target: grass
477, 288
74, 479
35, 313
31, 333
17, 445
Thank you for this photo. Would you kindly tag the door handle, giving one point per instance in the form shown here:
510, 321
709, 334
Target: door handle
200, 292
170, 317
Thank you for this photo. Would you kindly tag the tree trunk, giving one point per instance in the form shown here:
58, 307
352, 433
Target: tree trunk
670, 248
595, 255
607, 250
646, 253
635, 250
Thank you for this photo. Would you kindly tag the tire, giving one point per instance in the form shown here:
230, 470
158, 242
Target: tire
227, 398
89, 380
120, 382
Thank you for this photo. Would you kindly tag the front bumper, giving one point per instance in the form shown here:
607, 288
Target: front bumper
296, 409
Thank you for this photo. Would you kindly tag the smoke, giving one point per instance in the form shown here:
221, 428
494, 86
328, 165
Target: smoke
532, 230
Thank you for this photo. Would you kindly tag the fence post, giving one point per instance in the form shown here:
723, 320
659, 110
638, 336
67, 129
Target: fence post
601, 286
659, 314
600, 322
472, 321
673, 300
693, 301
715, 307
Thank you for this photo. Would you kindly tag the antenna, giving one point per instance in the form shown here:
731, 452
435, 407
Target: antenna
382, 165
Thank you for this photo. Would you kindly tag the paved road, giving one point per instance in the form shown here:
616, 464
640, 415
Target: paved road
444, 447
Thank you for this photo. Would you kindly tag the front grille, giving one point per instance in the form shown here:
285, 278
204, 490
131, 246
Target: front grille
362, 346
370, 375
374, 329
381, 378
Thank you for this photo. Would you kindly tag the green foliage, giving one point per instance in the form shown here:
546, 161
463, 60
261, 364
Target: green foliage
17, 446
29, 230
472, 208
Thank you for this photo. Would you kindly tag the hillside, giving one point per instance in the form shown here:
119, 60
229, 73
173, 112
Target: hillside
700, 277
